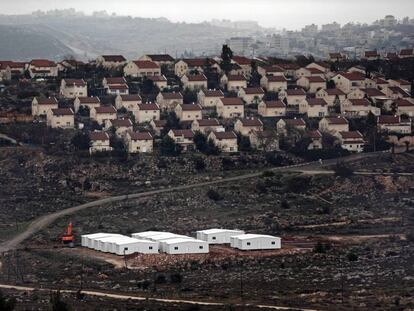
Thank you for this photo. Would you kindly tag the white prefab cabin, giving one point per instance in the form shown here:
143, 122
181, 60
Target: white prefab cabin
129, 246
185, 246
87, 240
105, 245
217, 236
95, 242
147, 234
255, 242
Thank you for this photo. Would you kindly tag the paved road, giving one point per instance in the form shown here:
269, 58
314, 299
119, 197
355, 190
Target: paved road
161, 300
44, 221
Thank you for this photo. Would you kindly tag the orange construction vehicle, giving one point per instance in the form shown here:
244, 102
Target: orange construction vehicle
68, 238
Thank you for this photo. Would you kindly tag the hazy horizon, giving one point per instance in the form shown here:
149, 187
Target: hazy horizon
292, 14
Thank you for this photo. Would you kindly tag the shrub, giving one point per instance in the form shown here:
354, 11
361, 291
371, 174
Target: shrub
176, 278
297, 184
6, 304
321, 248
214, 195
160, 279
342, 170
199, 164
284, 204
352, 256
268, 174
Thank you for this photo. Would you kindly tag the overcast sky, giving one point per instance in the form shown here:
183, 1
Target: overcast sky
291, 14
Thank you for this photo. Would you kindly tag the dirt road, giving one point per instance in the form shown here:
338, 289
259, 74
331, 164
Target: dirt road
141, 298
44, 221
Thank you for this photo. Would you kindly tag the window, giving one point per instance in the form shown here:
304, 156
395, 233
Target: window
176, 248
201, 247
248, 243
125, 248
213, 237
273, 243
150, 247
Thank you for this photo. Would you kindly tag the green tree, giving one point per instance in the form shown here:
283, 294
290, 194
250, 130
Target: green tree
200, 141
81, 141
244, 143
57, 303
6, 304
168, 147
226, 57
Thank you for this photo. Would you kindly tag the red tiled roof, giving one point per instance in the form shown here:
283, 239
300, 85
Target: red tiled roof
140, 135
148, 106
231, 101
114, 58
371, 54
118, 86
185, 133
42, 63
213, 93
288, 66
251, 122
406, 52
315, 71
47, 101
115, 80
236, 78
105, 109
353, 76
62, 112
276, 79
173, 95
131, 98
241, 60
316, 102
198, 62
199, 77
398, 90
295, 122
275, 104
121, 123
334, 92
146, 64
403, 103
295, 92
191, 107
351, 135
157, 78
253, 90
388, 119
160, 123
161, 57
75, 82
360, 102
208, 122
89, 100
380, 81
316, 79
336, 120
225, 135
98, 136
273, 68
314, 134
373, 92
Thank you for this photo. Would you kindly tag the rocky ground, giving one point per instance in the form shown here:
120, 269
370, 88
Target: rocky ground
363, 222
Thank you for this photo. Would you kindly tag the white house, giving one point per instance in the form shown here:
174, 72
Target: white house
233, 82
251, 95
72, 88
274, 83
147, 112
185, 246
217, 236
129, 102
168, 101
90, 102
194, 82
110, 61
139, 142
209, 98
255, 242
142, 68
352, 141
41, 106
128, 246
99, 142
103, 113
61, 118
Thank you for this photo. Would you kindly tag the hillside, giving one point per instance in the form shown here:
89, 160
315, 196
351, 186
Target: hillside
23, 42
90, 36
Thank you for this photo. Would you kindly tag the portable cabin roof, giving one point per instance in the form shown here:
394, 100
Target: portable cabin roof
163, 237
181, 240
146, 234
253, 236
95, 235
215, 231
133, 241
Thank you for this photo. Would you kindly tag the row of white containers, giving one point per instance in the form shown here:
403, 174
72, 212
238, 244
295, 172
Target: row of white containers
239, 239
152, 242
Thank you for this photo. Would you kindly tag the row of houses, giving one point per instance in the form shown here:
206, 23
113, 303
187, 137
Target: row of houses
374, 55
